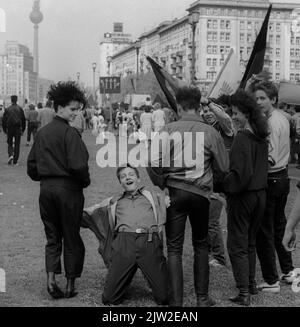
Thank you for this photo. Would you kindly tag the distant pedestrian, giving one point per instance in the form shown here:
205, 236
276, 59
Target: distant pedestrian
158, 117
1, 116
32, 118
59, 160
14, 125
46, 115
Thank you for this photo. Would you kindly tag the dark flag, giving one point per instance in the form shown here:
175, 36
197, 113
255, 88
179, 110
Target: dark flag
256, 61
163, 77
132, 84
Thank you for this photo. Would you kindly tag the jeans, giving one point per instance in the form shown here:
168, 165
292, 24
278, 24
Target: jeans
270, 235
31, 129
215, 238
13, 141
196, 207
245, 212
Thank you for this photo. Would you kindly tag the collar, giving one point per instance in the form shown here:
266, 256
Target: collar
139, 191
193, 117
61, 119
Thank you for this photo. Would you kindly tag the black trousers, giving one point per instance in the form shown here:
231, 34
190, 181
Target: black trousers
245, 212
61, 212
131, 251
13, 141
270, 235
32, 129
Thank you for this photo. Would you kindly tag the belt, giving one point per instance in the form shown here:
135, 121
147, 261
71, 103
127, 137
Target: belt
148, 231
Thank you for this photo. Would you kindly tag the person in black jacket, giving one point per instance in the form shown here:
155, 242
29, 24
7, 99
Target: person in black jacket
245, 186
59, 159
14, 125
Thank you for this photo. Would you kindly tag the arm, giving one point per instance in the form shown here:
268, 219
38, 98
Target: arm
23, 120
4, 121
77, 157
289, 234
32, 170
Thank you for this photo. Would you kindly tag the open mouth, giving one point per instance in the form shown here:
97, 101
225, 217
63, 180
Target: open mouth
128, 183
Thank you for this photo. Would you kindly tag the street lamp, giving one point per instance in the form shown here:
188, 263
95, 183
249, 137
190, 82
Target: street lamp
109, 60
78, 76
94, 65
193, 21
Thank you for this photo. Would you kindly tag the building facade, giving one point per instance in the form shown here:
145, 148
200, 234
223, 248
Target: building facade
16, 73
223, 24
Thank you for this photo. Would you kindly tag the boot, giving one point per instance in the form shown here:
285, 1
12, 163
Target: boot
205, 301
176, 280
243, 298
253, 288
70, 289
52, 287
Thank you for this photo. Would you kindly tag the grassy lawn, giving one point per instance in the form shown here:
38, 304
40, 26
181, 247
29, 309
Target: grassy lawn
22, 244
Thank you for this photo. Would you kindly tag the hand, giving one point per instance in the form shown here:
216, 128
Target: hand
289, 240
204, 101
167, 201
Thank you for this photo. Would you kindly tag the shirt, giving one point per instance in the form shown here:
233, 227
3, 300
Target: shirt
279, 141
32, 116
134, 211
158, 117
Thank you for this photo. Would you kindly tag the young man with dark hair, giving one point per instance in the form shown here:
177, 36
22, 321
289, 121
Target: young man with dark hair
270, 235
59, 159
137, 217
14, 125
190, 185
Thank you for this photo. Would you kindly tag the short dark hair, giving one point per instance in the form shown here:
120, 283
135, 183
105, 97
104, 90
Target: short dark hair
249, 107
128, 165
40, 105
14, 99
63, 93
269, 88
188, 97
49, 104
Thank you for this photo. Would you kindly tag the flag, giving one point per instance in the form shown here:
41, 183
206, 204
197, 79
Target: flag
132, 84
165, 80
256, 61
228, 79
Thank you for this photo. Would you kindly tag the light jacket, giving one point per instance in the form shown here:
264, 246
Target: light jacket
101, 219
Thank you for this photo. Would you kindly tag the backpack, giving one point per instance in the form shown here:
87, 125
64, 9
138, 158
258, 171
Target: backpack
14, 117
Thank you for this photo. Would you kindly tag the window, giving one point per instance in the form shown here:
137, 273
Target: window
297, 53
278, 27
242, 37
215, 24
249, 25
292, 53
249, 37
209, 50
297, 64
277, 64
292, 77
214, 62
227, 37
214, 49
222, 49
208, 62
297, 77
221, 62
271, 27
277, 51
242, 25
249, 49
228, 25
277, 39
209, 23
222, 36
271, 38
215, 36
209, 36
277, 76
297, 40
292, 40
227, 49
222, 24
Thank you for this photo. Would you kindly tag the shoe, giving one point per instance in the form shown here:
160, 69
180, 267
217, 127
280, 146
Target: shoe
10, 160
289, 278
271, 288
205, 302
70, 294
241, 299
253, 289
15, 164
55, 292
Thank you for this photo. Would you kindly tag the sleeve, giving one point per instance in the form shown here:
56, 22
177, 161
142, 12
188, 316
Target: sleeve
224, 119
77, 157
23, 120
241, 169
32, 170
220, 160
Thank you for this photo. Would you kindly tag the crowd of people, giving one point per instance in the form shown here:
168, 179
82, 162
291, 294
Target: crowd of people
244, 169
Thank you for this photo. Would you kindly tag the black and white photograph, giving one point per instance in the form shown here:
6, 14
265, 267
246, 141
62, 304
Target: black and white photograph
150, 156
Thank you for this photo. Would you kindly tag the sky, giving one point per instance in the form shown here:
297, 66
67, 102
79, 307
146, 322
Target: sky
71, 30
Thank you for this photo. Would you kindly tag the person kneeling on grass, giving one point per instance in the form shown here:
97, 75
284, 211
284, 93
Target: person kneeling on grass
129, 230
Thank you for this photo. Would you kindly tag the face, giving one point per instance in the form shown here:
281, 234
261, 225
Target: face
129, 180
70, 111
239, 118
208, 115
263, 101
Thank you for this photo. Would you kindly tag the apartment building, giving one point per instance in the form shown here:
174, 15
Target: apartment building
223, 24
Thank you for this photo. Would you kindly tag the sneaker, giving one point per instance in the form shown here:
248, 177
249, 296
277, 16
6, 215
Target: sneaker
289, 278
10, 160
15, 164
271, 288
215, 263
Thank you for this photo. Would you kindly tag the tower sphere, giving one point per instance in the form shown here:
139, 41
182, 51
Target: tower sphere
36, 16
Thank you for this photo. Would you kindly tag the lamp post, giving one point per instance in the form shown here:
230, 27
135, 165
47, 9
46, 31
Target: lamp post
137, 46
78, 77
94, 65
193, 21
109, 60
